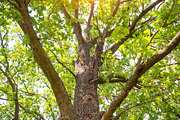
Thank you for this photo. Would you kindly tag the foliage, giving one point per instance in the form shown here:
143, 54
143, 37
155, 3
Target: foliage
155, 96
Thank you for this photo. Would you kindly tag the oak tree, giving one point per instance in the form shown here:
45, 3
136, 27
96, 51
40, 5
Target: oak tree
89, 59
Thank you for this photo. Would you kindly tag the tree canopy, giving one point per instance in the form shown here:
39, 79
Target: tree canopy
89, 59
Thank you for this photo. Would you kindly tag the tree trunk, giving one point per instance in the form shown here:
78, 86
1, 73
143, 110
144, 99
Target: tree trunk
86, 99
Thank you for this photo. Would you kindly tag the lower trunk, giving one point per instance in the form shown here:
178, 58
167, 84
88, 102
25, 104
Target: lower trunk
86, 99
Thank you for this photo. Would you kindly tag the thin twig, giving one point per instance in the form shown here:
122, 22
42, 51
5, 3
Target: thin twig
33, 112
62, 64
50, 13
119, 115
164, 25
4, 99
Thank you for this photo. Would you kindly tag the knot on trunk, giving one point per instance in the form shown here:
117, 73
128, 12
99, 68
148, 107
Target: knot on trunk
87, 98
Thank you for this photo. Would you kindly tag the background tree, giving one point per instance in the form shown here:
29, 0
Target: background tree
96, 60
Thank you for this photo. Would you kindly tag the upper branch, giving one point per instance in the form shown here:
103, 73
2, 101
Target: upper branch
91, 13
66, 12
116, 9
115, 46
15, 5
117, 6
76, 11
88, 28
142, 14
77, 26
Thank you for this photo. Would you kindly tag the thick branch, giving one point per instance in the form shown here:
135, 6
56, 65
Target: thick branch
64, 103
116, 8
16, 104
77, 26
140, 70
78, 32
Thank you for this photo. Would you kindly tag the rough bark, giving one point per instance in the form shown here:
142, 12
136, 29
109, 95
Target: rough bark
86, 99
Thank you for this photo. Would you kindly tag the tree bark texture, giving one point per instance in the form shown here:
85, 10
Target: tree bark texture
86, 99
